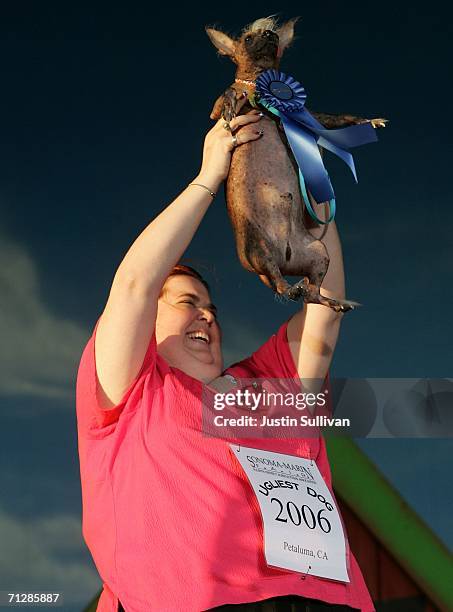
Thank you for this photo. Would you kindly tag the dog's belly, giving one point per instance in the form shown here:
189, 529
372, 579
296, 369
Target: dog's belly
264, 201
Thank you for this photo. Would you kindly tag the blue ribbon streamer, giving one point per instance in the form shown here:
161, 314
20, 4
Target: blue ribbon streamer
285, 97
313, 215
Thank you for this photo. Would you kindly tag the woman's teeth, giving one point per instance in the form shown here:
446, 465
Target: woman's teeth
200, 336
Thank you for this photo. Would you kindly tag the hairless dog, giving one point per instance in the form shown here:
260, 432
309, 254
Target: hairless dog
263, 195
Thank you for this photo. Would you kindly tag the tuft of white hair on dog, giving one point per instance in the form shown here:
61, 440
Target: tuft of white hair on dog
265, 23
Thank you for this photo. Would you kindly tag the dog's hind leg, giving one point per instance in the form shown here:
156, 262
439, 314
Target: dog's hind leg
271, 276
310, 286
266, 281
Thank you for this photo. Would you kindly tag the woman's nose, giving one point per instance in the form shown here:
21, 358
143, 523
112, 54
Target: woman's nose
207, 315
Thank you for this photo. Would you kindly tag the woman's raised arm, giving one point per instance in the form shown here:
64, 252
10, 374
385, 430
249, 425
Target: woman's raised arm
313, 331
128, 320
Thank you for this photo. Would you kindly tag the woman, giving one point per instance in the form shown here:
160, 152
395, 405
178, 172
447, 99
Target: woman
168, 514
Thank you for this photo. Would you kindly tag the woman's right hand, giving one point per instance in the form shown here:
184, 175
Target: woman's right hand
220, 143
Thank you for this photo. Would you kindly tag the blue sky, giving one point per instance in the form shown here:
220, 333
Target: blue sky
103, 117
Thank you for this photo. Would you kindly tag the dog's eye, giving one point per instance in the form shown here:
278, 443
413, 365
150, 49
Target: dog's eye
248, 39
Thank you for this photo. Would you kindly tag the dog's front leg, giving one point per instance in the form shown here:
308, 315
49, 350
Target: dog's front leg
340, 121
230, 104
217, 109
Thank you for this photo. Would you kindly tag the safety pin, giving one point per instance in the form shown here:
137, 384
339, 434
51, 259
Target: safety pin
306, 574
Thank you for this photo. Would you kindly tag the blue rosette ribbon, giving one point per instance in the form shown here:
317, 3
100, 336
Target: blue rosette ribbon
285, 97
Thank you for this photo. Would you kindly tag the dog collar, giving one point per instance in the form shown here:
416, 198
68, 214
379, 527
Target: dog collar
245, 82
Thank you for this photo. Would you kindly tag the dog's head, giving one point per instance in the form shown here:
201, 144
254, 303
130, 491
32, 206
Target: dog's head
260, 46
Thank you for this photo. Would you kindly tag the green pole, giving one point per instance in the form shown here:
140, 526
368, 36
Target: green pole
392, 521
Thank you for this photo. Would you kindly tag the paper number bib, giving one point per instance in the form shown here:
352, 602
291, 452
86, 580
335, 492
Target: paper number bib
302, 526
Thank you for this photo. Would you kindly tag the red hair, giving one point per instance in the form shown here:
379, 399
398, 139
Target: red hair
183, 270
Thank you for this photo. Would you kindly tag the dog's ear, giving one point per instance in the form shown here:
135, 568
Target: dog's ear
224, 44
286, 35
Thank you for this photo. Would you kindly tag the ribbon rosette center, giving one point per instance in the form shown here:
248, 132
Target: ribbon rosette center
280, 91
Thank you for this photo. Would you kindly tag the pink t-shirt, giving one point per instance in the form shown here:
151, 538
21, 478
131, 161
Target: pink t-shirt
168, 514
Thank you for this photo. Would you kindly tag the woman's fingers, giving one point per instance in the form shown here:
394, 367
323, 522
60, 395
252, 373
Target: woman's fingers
252, 117
223, 138
241, 129
246, 135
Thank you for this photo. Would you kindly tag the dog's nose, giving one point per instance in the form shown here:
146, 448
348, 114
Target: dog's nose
270, 35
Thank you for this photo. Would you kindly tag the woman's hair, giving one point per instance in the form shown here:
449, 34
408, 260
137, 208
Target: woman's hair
182, 269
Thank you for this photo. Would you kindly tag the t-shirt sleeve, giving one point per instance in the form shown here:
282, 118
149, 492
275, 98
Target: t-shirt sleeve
91, 417
273, 359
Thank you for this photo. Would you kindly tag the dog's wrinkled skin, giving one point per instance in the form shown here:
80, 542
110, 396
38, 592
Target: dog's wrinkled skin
263, 195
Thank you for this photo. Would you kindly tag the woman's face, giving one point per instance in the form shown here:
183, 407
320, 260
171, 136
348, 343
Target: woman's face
187, 333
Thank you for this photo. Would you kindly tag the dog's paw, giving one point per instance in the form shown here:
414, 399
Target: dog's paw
378, 123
